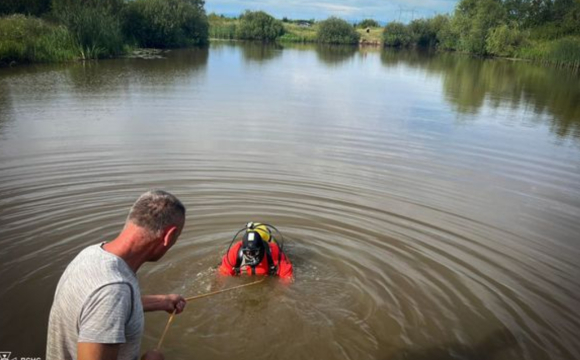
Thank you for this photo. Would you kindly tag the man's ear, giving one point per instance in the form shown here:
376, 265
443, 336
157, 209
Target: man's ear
169, 235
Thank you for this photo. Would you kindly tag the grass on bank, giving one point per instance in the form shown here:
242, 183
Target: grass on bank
332, 30
94, 29
300, 33
308, 34
564, 52
25, 39
374, 36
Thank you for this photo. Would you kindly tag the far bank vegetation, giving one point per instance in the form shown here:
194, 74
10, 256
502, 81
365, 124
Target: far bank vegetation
546, 31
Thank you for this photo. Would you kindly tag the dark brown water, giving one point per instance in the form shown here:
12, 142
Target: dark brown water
431, 203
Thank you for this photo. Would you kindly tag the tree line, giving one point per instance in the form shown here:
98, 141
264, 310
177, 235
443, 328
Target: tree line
546, 31
54, 30
541, 30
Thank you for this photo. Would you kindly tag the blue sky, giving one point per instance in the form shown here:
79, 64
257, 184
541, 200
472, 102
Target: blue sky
381, 10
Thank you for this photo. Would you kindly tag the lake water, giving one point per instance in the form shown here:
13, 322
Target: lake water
430, 202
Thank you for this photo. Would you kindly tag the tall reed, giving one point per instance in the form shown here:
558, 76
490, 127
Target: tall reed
564, 52
95, 29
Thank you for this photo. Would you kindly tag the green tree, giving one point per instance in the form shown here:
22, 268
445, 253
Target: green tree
473, 20
447, 35
424, 31
368, 23
259, 25
336, 31
166, 23
397, 34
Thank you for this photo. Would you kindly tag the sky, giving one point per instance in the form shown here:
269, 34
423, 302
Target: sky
380, 10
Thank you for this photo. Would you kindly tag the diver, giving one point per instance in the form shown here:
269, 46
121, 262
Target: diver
258, 253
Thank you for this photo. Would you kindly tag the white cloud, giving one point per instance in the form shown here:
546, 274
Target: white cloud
333, 8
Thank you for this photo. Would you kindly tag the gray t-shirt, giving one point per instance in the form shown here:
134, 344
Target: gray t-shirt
97, 300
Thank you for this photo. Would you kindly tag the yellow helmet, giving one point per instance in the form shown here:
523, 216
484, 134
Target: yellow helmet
262, 230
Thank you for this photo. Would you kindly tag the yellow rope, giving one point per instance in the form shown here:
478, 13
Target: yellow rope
199, 297
166, 328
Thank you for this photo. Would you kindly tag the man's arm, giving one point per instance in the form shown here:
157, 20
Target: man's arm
229, 260
102, 322
167, 303
93, 351
285, 270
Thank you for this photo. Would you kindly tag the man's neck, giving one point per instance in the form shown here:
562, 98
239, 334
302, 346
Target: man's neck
129, 247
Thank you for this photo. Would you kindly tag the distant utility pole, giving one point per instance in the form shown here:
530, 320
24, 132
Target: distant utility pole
405, 12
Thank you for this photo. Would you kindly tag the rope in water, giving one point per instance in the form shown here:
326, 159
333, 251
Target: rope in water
199, 297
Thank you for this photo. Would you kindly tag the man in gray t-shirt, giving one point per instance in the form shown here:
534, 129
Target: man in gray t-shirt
97, 311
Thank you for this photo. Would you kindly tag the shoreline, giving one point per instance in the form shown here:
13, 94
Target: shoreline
156, 53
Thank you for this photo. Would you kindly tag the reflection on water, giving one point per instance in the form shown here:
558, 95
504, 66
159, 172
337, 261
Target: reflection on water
469, 84
430, 201
5, 108
256, 52
177, 67
332, 54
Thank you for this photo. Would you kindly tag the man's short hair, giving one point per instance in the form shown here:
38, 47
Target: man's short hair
156, 210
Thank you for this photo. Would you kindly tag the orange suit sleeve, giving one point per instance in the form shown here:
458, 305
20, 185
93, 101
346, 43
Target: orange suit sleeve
229, 260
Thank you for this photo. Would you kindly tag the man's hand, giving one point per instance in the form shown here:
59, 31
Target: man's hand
176, 303
169, 303
153, 355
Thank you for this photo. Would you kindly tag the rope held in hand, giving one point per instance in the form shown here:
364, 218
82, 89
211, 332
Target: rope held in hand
199, 297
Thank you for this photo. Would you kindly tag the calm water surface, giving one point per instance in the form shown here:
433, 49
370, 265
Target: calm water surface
431, 203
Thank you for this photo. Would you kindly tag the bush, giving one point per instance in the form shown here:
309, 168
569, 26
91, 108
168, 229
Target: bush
258, 25
503, 41
429, 32
166, 23
336, 31
94, 24
397, 34
29, 39
422, 33
368, 23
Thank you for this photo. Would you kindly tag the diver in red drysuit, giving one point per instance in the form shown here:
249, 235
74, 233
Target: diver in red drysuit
256, 256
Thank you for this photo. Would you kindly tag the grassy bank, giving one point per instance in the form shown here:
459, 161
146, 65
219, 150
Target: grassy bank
564, 52
26, 39
299, 33
65, 30
330, 31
